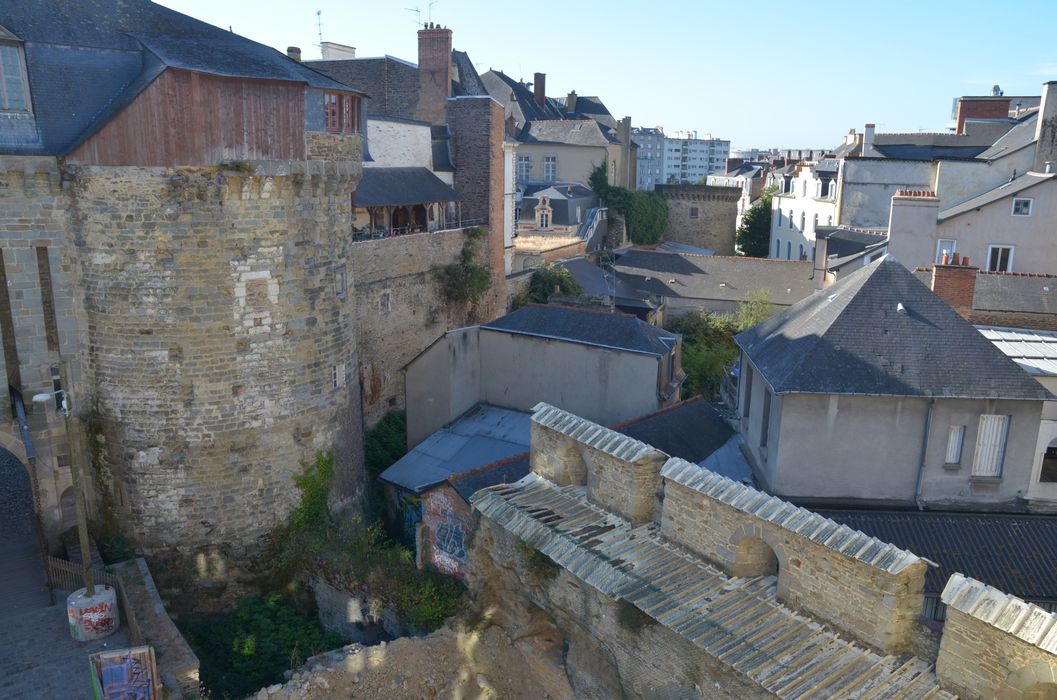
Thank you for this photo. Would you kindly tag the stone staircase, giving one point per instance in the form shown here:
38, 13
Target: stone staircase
738, 621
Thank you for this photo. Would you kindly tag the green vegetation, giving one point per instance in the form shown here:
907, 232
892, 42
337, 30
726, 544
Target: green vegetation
708, 342
542, 284
538, 563
631, 618
645, 213
239, 166
249, 648
464, 280
754, 235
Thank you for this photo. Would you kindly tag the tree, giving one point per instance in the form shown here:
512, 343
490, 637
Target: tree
754, 235
645, 213
544, 280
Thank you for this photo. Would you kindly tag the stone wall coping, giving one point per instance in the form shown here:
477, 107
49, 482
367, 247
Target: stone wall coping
257, 168
1006, 612
592, 434
799, 521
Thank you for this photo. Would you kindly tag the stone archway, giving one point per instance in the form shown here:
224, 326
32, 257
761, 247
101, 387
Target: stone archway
1036, 681
754, 557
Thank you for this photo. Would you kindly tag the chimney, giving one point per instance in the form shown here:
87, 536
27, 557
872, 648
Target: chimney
294, 52
1046, 127
912, 225
333, 51
570, 102
955, 283
539, 88
867, 141
511, 126
434, 73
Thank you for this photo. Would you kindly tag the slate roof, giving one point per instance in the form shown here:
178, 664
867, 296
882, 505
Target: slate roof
505, 471
583, 132
392, 186
441, 144
1028, 293
1014, 553
691, 430
841, 241
526, 100
1020, 136
465, 80
615, 331
1035, 351
88, 59
851, 338
595, 281
724, 278
1009, 189
482, 436
558, 190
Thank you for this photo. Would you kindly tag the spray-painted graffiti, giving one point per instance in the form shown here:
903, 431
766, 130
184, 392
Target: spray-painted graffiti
98, 618
449, 535
128, 676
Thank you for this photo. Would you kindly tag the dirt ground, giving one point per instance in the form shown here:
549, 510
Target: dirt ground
450, 664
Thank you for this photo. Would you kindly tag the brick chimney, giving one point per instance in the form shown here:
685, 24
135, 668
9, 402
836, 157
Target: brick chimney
1046, 128
434, 73
539, 88
294, 52
955, 283
992, 107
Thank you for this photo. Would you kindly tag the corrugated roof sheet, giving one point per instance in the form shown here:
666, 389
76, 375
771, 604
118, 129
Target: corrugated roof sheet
482, 436
852, 338
738, 621
1035, 351
1006, 612
1014, 552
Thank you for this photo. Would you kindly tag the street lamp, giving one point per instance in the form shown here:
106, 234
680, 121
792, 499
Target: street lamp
91, 616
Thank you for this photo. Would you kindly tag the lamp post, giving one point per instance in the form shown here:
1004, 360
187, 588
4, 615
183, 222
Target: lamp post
90, 616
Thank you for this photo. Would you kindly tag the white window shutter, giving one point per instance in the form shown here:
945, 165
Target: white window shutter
955, 436
990, 445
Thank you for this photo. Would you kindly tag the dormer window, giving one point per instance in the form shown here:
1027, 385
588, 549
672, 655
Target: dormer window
1022, 206
14, 85
341, 113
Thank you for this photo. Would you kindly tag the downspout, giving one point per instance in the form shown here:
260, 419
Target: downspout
924, 451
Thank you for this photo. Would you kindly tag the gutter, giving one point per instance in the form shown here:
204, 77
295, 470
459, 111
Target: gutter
924, 451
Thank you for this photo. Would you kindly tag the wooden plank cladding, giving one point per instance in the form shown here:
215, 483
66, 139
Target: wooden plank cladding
185, 119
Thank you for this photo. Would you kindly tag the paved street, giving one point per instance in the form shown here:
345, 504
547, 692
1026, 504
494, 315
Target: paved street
38, 658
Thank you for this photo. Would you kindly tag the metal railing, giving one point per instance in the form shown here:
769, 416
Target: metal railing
590, 223
68, 576
359, 236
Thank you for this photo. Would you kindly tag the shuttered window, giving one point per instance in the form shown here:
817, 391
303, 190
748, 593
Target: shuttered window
955, 437
13, 93
991, 445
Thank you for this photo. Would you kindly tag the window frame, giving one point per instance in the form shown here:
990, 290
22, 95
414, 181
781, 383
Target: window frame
23, 71
994, 472
341, 112
695, 212
1009, 261
939, 249
955, 433
550, 160
1016, 200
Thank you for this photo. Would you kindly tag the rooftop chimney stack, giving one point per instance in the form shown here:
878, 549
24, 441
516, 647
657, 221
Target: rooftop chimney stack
1046, 128
539, 88
434, 73
570, 101
294, 52
867, 141
333, 51
955, 283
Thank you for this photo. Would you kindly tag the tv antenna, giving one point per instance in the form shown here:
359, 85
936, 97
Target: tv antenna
418, 13
319, 25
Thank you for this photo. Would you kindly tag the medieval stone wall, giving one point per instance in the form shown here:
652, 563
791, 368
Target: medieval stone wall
702, 215
221, 346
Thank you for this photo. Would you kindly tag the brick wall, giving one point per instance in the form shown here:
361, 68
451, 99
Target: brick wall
714, 224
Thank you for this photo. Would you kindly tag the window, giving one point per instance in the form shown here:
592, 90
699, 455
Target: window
545, 220
788, 250
341, 113
955, 438
803, 188
746, 391
341, 281
790, 218
1022, 206
550, 168
778, 248
814, 223
945, 246
694, 212
803, 220
1000, 258
801, 254
779, 218
14, 95
991, 446
765, 420
524, 167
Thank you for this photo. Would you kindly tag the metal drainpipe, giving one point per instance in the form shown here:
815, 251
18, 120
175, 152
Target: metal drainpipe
924, 451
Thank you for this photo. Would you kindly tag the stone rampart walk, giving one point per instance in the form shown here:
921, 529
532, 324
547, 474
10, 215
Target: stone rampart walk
736, 620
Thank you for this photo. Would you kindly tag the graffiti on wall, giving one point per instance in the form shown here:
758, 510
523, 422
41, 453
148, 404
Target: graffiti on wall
449, 535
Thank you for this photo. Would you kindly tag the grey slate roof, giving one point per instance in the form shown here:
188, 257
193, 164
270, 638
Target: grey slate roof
392, 186
842, 241
1014, 553
1007, 190
851, 339
691, 430
482, 436
88, 59
585, 132
505, 471
659, 273
594, 281
1009, 291
526, 101
615, 331
1020, 136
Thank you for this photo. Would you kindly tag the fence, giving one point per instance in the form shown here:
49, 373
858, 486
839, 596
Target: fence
68, 576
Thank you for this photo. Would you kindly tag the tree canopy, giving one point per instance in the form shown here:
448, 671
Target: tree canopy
754, 234
645, 213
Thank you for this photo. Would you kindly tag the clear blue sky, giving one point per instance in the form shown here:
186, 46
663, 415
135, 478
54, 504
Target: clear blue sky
762, 74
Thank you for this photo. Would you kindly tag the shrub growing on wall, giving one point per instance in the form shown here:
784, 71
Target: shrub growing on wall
645, 213
542, 285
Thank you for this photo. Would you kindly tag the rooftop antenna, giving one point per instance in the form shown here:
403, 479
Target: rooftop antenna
429, 10
418, 15
319, 25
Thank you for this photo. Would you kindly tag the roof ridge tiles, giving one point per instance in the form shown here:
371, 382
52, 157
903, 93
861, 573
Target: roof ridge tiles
1026, 621
596, 436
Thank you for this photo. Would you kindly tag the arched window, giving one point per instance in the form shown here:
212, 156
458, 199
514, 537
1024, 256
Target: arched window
801, 255
790, 218
788, 250
803, 220
779, 218
778, 248
803, 188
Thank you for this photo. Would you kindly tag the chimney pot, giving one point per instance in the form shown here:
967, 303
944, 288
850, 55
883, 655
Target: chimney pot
965, 261
956, 260
294, 52
946, 258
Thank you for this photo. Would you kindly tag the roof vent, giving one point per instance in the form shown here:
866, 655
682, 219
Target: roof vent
900, 309
831, 297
